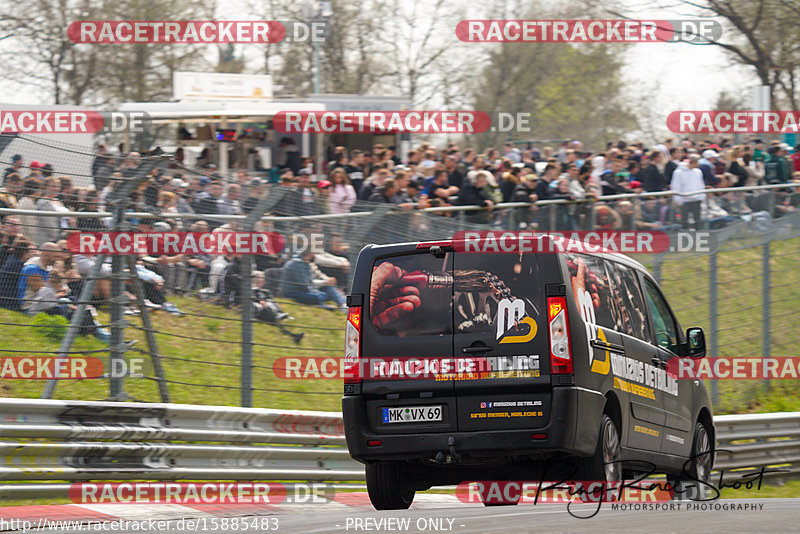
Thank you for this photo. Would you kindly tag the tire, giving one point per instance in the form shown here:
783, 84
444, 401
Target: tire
388, 487
699, 467
702, 454
604, 464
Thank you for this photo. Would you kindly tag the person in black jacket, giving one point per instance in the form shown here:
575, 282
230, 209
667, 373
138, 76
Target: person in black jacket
653, 179
289, 155
384, 194
675, 156
736, 166
524, 192
473, 194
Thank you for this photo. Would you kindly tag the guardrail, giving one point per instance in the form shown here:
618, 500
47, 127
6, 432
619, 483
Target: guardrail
127, 441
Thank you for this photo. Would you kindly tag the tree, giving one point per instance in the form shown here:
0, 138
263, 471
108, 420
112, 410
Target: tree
228, 60
348, 56
570, 91
420, 48
40, 51
760, 35
143, 72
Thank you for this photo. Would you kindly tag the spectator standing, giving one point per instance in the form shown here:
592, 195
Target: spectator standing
473, 194
354, 170
31, 191
302, 201
653, 178
208, 202
707, 165
90, 204
385, 193
440, 187
230, 202
687, 179
675, 157
254, 193
342, 193
736, 166
289, 155
376, 180
524, 192
775, 167
455, 177
48, 227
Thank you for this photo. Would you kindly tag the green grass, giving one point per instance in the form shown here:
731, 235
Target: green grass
211, 360
685, 281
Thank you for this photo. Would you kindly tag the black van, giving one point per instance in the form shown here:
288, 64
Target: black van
570, 379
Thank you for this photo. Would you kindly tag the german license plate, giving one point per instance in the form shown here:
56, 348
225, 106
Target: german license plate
412, 414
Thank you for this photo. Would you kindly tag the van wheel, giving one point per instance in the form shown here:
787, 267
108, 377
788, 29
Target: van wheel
604, 464
702, 454
686, 485
388, 487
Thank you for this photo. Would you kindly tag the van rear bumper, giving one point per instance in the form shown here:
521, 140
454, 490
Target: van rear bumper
572, 429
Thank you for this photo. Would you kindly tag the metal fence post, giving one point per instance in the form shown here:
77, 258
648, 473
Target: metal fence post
712, 319
75, 322
117, 351
152, 346
765, 303
268, 203
247, 330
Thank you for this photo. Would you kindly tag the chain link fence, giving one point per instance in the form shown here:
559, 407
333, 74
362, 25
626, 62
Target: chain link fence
218, 329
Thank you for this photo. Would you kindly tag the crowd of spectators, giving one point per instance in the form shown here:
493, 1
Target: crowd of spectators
38, 273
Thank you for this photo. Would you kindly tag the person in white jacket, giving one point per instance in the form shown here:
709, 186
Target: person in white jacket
688, 178
342, 194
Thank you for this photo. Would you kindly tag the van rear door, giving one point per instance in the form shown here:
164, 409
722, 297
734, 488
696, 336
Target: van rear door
500, 326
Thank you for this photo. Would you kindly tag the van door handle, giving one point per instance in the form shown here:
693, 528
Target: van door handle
479, 348
658, 362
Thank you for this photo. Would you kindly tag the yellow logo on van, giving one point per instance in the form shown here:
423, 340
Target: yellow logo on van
597, 366
509, 313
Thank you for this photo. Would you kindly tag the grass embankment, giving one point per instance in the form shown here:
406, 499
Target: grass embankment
201, 356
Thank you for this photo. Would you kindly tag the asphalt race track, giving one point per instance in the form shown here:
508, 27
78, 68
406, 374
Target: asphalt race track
764, 515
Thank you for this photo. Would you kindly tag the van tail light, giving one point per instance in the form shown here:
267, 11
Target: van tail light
560, 347
352, 346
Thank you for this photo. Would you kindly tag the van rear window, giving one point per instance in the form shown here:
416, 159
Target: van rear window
412, 295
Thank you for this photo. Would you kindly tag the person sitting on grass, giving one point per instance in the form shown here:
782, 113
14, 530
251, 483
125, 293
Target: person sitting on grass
299, 284
52, 298
267, 310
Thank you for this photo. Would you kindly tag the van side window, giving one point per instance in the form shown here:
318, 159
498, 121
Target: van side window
666, 334
632, 318
591, 288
